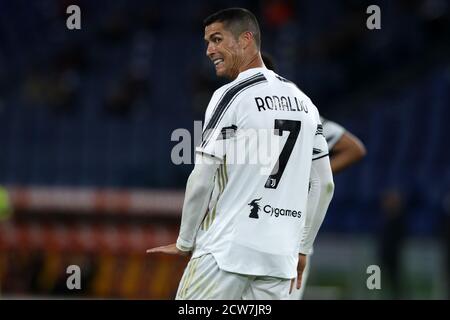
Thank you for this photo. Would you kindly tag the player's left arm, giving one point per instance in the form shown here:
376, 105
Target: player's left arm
347, 151
198, 192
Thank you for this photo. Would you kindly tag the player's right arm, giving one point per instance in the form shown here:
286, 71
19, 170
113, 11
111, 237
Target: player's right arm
319, 197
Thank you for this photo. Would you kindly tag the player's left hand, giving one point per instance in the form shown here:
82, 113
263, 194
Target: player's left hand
169, 249
300, 267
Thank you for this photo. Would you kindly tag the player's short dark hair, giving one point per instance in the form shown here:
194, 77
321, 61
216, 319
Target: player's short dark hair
268, 61
237, 21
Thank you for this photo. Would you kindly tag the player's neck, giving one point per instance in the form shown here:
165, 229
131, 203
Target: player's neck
254, 62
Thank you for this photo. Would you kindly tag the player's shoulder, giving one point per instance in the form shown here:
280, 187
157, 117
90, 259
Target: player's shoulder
281, 79
332, 126
244, 82
312, 109
311, 106
293, 87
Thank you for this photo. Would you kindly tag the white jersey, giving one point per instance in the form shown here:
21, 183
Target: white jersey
332, 132
256, 211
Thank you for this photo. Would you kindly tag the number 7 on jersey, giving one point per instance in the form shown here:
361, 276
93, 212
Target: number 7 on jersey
293, 127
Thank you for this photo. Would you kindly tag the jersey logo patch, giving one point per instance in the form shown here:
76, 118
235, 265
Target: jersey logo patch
319, 130
227, 132
255, 208
316, 151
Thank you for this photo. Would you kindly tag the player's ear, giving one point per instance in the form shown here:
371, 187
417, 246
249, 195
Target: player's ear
246, 38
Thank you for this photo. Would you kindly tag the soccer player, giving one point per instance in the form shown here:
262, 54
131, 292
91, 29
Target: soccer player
345, 150
244, 227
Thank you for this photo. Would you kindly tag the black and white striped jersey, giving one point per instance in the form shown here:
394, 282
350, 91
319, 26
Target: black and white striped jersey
332, 132
266, 133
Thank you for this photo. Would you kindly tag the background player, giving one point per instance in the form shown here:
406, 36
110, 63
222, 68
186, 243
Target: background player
345, 150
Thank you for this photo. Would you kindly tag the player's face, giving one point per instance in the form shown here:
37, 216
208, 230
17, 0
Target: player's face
224, 50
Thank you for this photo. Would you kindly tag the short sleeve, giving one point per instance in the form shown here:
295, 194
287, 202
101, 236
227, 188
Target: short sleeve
332, 132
